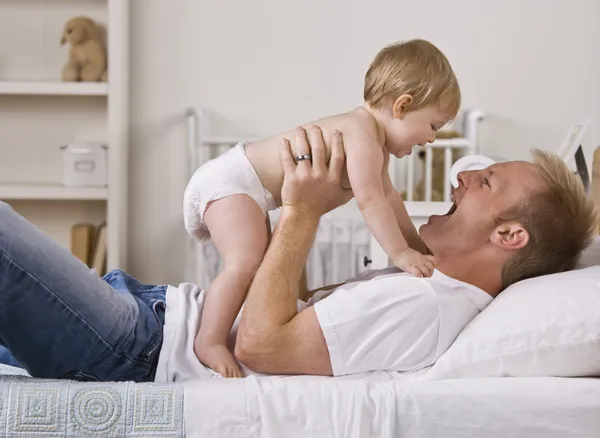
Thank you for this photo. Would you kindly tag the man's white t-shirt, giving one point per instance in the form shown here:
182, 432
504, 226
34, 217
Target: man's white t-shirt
380, 320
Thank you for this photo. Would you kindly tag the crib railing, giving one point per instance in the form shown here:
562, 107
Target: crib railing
448, 146
203, 147
403, 171
343, 246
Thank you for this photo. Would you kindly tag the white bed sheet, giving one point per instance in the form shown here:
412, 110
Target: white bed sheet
383, 406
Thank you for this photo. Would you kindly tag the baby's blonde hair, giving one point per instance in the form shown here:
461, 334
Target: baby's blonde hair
417, 68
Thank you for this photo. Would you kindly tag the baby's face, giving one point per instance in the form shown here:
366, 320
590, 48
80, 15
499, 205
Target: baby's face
413, 128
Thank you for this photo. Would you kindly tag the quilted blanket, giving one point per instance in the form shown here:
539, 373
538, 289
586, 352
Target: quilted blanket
64, 408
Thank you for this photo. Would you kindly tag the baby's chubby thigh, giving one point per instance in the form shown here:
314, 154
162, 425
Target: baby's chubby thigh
238, 229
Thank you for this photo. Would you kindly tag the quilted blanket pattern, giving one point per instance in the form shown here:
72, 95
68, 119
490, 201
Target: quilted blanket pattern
64, 408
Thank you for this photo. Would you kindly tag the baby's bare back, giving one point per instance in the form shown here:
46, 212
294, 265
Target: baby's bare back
264, 154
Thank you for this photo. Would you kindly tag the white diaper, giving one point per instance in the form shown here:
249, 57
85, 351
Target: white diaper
226, 175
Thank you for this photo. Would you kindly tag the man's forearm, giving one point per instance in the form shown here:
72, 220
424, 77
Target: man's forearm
272, 298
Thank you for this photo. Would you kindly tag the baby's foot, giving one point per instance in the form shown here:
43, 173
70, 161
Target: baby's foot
218, 358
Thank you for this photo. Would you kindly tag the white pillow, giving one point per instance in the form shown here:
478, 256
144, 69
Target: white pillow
544, 326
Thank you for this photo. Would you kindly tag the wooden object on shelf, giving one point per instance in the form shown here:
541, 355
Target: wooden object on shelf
100, 251
82, 241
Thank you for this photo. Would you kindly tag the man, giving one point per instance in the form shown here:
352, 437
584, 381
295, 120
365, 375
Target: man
60, 320
510, 221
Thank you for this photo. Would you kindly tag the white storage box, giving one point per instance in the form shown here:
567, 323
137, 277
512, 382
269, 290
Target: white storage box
84, 164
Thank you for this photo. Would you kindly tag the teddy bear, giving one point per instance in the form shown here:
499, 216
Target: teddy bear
87, 56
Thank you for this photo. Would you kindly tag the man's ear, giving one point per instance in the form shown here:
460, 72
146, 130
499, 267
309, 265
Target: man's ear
510, 236
401, 105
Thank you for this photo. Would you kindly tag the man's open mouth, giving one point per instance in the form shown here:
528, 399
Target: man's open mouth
444, 217
454, 203
452, 209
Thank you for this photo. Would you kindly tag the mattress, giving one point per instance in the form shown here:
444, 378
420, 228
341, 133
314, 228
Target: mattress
389, 407
372, 405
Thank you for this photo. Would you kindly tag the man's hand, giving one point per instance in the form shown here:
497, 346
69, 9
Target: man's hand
313, 189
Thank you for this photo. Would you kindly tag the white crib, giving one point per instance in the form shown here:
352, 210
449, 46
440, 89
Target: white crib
343, 246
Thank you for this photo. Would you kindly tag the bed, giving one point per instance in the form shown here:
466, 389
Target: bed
378, 405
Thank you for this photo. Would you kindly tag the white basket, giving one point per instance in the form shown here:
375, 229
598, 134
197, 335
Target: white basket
84, 164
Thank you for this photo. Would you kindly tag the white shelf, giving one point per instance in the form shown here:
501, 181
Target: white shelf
52, 112
54, 88
51, 192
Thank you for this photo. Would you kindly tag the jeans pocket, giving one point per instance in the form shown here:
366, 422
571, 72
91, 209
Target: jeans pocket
148, 333
149, 354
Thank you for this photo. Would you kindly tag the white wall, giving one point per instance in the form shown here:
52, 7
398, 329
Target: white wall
266, 65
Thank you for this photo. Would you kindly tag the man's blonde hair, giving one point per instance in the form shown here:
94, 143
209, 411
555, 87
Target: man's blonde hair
561, 222
417, 68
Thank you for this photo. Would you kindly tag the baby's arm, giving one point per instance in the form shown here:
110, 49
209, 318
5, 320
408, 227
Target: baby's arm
365, 160
407, 227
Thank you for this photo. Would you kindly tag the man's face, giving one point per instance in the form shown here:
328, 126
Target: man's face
479, 198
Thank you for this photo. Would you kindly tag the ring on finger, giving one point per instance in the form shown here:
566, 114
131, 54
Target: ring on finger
303, 157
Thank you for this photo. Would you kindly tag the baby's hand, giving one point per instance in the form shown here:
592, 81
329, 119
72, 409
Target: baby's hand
416, 263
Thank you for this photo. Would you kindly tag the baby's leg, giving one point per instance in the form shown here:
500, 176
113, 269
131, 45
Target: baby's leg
237, 227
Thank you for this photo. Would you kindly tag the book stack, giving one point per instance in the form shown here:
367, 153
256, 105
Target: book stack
88, 244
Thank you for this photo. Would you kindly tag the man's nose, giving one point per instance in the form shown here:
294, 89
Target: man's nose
466, 177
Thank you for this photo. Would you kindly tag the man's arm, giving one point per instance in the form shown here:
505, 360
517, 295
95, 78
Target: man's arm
273, 337
303, 292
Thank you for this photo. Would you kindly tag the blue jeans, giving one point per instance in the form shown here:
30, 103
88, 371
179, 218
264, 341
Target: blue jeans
59, 319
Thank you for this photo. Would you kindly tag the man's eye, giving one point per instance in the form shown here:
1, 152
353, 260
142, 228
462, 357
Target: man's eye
433, 127
486, 181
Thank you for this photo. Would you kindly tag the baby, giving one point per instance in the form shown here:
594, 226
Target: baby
410, 92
